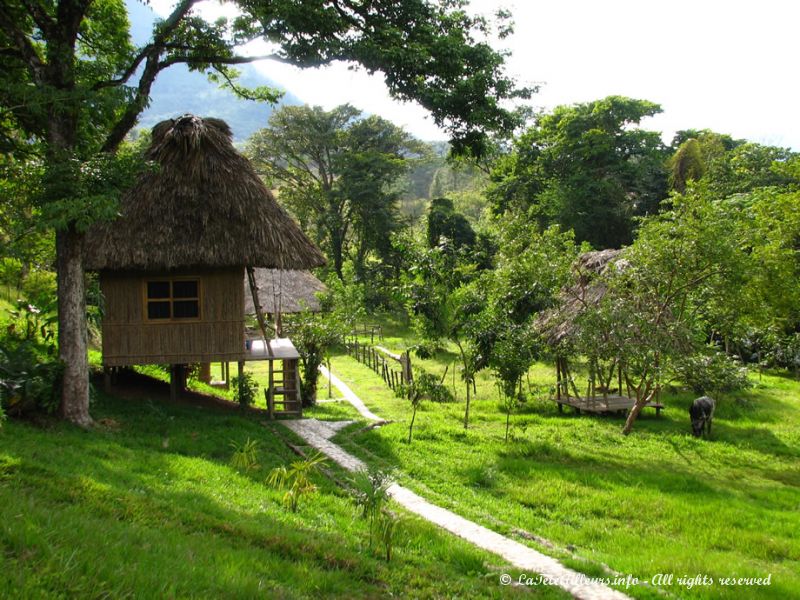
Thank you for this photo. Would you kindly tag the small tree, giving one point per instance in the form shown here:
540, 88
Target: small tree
531, 268
685, 269
424, 385
245, 390
313, 334
512, 356
371, 490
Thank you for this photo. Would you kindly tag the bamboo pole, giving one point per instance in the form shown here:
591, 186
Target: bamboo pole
251, 278
558, 378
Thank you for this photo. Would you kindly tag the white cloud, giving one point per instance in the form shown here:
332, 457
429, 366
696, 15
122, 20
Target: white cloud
339, 83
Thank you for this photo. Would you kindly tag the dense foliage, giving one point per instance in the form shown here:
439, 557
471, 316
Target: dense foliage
29, 365
587, 168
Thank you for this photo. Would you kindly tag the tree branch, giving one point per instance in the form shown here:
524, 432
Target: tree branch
220, 60
157, 45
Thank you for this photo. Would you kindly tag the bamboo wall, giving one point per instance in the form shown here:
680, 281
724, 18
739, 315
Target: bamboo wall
129, 339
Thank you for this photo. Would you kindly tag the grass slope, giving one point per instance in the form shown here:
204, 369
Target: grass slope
147, 506
658, 501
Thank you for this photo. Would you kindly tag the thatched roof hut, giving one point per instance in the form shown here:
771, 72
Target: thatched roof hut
286, 292
204, 206
588, 289
172, 265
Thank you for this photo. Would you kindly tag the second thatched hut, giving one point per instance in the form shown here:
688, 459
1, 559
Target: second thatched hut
606, 390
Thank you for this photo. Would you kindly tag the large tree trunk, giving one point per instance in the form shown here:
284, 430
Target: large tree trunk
72, 334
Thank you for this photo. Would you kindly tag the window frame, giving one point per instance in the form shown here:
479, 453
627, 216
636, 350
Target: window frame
171, 299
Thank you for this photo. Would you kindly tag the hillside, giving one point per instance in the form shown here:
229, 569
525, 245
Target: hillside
146, 505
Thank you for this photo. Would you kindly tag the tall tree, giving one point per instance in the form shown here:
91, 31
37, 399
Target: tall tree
445, 222
73, 81
587, 168
336, 172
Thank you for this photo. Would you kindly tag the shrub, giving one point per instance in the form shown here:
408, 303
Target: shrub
712, 372
387, 526
371, 491
786, 352
26, 381
10, 271
30, 371
245, 389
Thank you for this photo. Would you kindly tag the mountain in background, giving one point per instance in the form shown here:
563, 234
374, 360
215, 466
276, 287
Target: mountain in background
177, 90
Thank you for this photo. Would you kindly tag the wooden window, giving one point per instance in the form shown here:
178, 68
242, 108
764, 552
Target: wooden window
172, 299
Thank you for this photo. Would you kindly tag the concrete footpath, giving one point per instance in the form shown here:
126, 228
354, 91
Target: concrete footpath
318, 434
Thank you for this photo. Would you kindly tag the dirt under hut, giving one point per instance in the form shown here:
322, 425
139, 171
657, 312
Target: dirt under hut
173, 265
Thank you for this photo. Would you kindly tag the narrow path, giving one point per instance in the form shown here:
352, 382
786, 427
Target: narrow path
318, 435
349, 395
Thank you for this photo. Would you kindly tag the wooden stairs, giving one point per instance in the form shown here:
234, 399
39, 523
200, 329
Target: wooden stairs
283, 393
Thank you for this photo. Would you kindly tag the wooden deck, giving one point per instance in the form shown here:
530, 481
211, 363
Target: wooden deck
278, 349
600, 405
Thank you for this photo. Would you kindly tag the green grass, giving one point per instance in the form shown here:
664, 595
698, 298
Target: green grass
8, 299
658, 501
146, 505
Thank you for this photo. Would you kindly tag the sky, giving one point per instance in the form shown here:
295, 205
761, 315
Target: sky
729, 66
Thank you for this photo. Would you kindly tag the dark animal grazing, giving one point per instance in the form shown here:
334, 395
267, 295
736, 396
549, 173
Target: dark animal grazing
701, 412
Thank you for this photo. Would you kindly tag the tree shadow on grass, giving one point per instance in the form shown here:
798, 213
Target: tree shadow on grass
694, 477
122, 481
374, 447
134, 386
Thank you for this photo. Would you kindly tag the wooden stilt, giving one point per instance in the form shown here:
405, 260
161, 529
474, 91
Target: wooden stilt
205, 372
107, 379
173, 382
558, 381
271, 391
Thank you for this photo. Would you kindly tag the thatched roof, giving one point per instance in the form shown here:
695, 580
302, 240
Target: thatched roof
204, 206
284, 291
588, 289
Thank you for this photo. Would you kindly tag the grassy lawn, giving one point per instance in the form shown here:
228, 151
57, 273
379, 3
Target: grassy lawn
146, 505
658, 501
